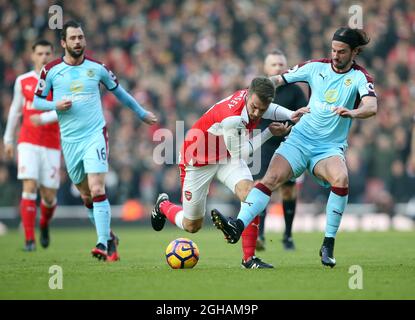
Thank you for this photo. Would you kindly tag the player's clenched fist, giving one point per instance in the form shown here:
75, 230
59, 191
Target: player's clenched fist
63, 105
150, 118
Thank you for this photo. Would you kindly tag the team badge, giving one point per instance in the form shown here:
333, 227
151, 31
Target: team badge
293, 69
90, 73
41, 85
370, 87
331, 95
188, 195
347, 82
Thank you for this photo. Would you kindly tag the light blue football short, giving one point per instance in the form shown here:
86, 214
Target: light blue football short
302, 155
88, 156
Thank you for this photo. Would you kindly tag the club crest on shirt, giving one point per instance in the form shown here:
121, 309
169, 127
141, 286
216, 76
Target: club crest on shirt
331, 95
90, 73
347, 82
188, 195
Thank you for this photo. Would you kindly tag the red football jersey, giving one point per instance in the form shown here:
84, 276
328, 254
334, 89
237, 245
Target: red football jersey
204, 143
44, 135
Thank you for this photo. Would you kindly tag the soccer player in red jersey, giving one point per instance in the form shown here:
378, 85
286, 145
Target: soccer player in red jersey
216, 145
38, 149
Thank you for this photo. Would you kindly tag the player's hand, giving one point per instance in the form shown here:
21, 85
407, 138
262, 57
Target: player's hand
63, 105
279, 129
35, 120
296, 116
150, 118
9, 150
344, 112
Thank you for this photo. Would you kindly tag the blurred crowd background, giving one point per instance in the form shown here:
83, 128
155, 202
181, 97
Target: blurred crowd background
179, 57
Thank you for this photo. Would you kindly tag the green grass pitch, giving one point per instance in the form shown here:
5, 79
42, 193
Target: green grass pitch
387, 260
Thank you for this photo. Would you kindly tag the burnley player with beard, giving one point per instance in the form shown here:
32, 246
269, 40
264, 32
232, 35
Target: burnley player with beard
341, 90
75, 80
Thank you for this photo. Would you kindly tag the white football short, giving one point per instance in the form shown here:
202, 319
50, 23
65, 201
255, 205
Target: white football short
196, 182
38, 163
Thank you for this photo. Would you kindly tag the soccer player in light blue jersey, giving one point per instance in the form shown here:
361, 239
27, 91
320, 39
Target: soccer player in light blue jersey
75, 80
341, 91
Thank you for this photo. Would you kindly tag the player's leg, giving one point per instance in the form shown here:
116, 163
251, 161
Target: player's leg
250, 234
47, 209
28, 211
49, 184
290, 160
289, 199
195, 187
28, 162
86, 197
95, 164
102, 212
334, 171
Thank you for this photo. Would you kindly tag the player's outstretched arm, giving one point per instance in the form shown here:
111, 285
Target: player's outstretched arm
125, 98
368, 108
12, 119
276, 112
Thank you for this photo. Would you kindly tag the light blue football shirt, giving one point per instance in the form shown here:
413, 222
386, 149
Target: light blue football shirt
329, 89
81, 85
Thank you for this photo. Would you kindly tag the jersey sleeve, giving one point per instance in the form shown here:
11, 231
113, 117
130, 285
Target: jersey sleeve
14, 113
366, 86
299, 73
44, 84
108, 78
275, 112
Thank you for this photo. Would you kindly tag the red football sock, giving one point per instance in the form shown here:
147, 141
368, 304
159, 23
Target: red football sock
249, 237
170, 210
46, 213
28, 214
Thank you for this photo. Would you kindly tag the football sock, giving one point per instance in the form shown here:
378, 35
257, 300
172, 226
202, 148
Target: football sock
46, 212
90, 208
102, 217
256, 202
262, 216
289, 212
249, 237
28, 214
173, 213
335, 207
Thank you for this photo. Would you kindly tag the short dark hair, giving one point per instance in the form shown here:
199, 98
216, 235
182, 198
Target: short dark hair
69, 24
276, 51
353, 37
41, 42
263, 87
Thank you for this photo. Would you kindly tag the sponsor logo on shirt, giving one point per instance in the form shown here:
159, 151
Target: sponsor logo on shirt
331, 95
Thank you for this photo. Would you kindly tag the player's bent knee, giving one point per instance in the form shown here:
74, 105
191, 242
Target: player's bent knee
97, 190
340, 180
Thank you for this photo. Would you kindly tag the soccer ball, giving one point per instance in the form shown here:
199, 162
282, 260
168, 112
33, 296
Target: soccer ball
182, 253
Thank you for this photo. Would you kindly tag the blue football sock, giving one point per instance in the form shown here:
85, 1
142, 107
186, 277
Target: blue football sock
334, 212
255, 203
91, 216
102, 217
